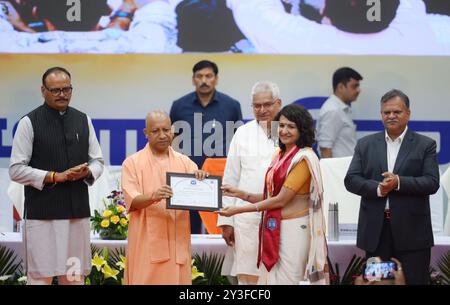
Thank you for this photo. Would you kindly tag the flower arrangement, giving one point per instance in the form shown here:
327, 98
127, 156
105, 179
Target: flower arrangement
112, 222
107, 269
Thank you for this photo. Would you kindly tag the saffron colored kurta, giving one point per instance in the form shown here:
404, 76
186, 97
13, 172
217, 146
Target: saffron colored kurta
159, 240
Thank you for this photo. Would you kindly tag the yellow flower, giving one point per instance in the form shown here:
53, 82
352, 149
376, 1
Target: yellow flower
107, 213
127, 216
120, 209
122, 262
105, 223
123, 222
115, 219
98, 261
194, 271
110, 272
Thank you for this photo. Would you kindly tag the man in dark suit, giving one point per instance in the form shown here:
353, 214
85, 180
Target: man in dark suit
394, 172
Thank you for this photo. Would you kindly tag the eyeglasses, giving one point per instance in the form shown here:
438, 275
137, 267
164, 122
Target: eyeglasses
57, 91
264, 105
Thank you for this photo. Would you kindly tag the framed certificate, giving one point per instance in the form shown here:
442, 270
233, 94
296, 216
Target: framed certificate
192, 194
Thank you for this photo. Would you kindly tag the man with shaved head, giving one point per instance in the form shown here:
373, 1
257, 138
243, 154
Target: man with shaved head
159, 240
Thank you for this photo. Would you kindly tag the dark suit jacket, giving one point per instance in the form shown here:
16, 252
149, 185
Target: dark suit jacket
417, 167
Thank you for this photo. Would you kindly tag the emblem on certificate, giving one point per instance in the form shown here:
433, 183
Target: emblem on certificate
192, 194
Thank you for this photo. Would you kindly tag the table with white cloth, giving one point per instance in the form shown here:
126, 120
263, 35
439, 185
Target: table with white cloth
340, 251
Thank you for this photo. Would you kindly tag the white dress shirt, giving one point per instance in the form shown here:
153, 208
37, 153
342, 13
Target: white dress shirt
22, 149
392, 149
335, 127
271, 30
250, 154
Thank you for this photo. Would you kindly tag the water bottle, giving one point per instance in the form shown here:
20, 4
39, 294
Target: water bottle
331, 219
333, 222
336, 221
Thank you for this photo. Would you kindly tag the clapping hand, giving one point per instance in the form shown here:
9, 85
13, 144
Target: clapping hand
78, 172
72, 174
389, 183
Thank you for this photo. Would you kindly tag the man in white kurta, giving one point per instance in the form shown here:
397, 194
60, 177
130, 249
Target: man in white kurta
251, 151
56, 156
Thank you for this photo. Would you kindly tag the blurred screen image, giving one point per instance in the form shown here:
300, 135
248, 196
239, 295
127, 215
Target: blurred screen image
354, 27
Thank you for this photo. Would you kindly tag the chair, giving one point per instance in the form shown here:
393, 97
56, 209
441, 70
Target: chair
445, 184
6, 206
333, 174
215, 167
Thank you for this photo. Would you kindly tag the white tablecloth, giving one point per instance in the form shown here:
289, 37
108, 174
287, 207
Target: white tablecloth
340, 251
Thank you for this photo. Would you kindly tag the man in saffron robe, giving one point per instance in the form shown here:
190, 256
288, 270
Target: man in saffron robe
159, 240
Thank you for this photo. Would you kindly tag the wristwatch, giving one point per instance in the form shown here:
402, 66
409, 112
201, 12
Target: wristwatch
122, 14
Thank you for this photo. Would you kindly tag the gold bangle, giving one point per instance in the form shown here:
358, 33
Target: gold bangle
52, 177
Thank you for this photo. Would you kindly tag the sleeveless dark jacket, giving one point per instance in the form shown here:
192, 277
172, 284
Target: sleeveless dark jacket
60, 142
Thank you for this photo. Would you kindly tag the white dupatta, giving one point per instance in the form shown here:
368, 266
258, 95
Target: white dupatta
317, 267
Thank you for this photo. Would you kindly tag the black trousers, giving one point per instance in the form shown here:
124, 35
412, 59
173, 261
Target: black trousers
196, 222
415, 263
